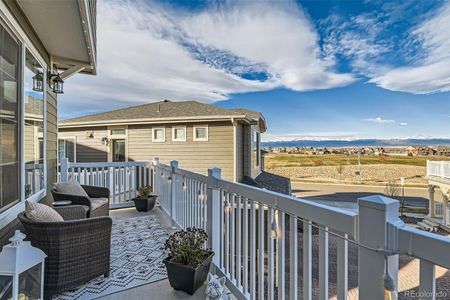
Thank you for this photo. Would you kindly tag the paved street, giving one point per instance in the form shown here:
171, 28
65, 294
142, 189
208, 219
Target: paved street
347, 195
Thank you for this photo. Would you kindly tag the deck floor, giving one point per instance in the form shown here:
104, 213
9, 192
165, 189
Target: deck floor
160, 289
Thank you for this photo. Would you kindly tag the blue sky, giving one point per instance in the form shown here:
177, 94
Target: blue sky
315, 69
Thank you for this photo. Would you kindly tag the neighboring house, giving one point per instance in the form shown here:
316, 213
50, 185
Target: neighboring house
199, 136
36, 40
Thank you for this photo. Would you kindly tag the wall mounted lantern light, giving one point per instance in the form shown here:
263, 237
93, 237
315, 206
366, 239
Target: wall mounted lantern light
56, 82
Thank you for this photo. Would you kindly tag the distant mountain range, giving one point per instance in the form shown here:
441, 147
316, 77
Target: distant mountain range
358, 143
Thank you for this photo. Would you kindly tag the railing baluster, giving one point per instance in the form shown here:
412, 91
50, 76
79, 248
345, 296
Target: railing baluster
323, 263
342, 268
270, 255
427, 286
245, 240
261, 235
253, 257
281, 251
222, 231
227, 234
307, 260
233, 238
238, 242
293, 257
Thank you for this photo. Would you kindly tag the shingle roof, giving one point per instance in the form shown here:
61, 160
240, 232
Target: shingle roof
270, 182
164, 109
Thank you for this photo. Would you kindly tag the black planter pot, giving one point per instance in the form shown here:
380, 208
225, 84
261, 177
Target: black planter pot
145, 204
187, 278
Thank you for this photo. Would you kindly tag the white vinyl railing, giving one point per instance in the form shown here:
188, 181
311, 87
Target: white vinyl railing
438, 169
255, 236
122, 178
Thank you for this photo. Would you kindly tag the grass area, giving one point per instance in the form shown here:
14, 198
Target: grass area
300, 160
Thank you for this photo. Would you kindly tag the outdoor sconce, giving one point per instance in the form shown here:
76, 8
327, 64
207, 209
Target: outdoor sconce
105, 141
57, 82
169, 179
38, 82
22, 269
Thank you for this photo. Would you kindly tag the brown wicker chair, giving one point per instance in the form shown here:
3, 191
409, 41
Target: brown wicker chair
78, 249
95, 193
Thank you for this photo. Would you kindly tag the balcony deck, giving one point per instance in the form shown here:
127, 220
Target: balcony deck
160, 289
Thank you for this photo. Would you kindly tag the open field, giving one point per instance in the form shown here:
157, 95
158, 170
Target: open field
299, 160
343, 169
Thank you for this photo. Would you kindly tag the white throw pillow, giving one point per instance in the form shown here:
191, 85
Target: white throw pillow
38, 212
70, 187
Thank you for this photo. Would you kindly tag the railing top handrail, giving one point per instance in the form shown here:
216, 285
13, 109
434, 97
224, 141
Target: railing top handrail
337, 219
182, 172
108, 164
424, 245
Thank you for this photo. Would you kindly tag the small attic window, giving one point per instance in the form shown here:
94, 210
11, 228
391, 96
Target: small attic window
118, 131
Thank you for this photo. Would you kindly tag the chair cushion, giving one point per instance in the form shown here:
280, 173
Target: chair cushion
38, 212
70, 187
97, 202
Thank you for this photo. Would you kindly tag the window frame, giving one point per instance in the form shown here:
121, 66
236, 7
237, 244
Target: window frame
74, 138
195, 138
173, 134
10, 24
153, 134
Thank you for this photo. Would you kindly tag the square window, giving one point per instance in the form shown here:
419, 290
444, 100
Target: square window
179, 134
159, 135
200, 133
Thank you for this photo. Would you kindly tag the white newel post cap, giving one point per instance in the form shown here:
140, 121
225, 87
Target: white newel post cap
19, 256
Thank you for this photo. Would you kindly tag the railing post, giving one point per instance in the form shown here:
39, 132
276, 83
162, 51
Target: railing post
154, 165
376, 213
213, 214
64, 169
173, 190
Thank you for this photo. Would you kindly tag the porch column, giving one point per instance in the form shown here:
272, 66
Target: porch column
431, 206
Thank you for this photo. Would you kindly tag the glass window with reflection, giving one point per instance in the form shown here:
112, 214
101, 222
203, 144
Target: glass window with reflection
34, 127
66, 149
9, 120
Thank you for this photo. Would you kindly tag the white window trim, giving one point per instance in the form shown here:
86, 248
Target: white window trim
173, 134
200, 139
11, 24
153, 134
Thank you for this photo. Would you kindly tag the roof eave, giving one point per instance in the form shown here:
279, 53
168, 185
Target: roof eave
150, 121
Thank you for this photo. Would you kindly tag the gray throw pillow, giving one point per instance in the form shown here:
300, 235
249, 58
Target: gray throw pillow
38, 212
70, 187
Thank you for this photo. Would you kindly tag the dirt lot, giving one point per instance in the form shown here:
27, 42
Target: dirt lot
343, 169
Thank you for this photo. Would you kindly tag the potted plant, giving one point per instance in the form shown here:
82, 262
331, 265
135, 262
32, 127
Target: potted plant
145, 200
188, 263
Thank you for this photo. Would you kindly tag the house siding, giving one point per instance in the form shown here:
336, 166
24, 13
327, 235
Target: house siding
192, 155
88, 149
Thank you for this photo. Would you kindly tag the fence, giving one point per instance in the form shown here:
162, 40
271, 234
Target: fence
255, 236
122, 178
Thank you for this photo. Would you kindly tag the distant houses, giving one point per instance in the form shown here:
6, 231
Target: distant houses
421, 150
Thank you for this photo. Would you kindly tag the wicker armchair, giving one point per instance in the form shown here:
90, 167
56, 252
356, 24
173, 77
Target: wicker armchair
98, 200
78, 249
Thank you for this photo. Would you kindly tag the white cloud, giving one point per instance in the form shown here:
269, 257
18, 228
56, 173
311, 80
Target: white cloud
380, 120
403, 124
432, 73
148, 52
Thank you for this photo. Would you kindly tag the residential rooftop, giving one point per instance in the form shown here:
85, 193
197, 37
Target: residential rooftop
167, 110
